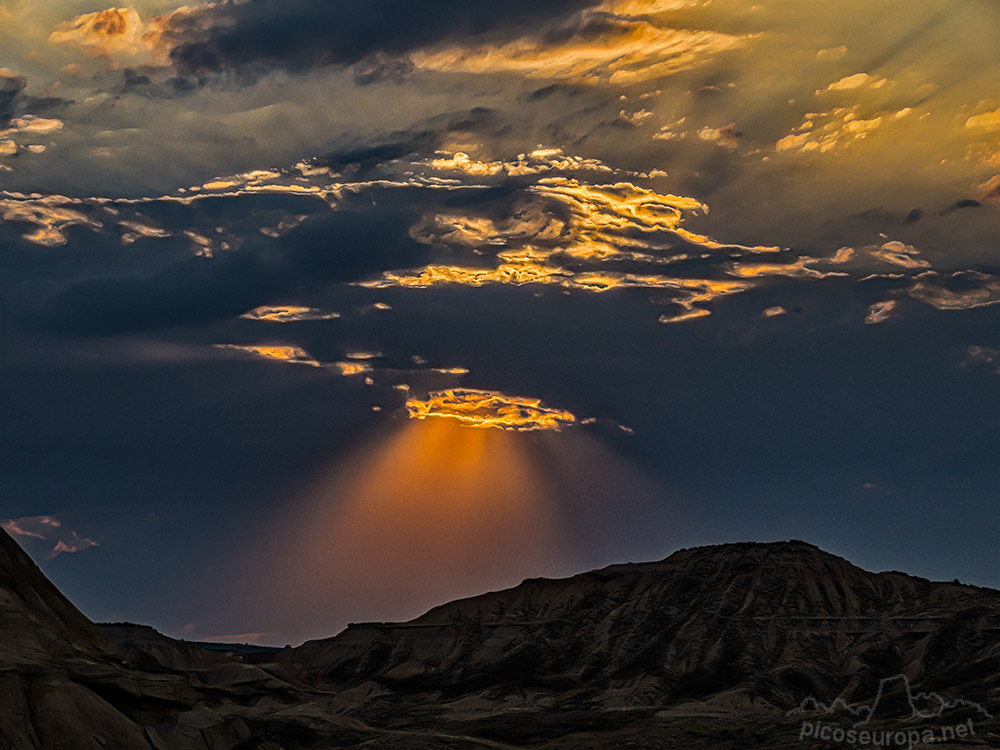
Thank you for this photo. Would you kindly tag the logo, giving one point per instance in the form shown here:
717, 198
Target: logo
896, 718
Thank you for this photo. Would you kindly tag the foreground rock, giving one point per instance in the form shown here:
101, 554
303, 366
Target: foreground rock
62, 684
709, 641
710, 648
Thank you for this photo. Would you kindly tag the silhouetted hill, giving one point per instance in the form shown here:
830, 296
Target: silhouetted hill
709, 648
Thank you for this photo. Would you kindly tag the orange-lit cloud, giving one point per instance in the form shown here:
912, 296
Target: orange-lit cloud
990, 190
275, 352
616, 44
541, 160
880, 312
18, 135
357, 362
353, 368
690, 313
430, 276
843, 255
899, 254
856, 81
569, 221
429, 513
835, 129
988, 121
50, 530
137, 229
489, 409
288, 314
119, 34
50, 215
602, 214
32, 125
797, 269
726, 136
976, 290
517, 273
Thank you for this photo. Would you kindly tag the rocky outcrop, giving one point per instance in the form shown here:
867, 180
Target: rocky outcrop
730, 632
62, 684
145, 648
65, 686
772, 621
710, 648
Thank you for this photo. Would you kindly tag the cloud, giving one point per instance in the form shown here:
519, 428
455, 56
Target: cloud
288, 314
49, 217
880, 312
836, 129
960, 291
899, 254
11, 86
50, 530
489, 409
604, 45
345, 246
988, 121
538, 161
303, 34
982, 355
275, 352
119, 34
579, 236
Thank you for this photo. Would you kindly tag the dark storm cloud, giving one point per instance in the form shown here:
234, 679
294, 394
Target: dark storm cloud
135, 82
425, 138
344, 247
301, 34
364, 157
11, 86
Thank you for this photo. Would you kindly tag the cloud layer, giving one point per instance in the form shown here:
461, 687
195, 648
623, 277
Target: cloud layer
300, 34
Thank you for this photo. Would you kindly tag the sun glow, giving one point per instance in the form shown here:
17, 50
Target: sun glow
431, 512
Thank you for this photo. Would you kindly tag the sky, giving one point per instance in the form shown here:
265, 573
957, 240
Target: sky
328, 311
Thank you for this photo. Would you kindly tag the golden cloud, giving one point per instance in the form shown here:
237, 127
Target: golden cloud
287, 314
601, 214
489, 409
50, 215
880, 312
837, 128
977, 290
899, 254
274, 352
615, 43
540, 161
988, 121
349, 369
599, 224
119, 33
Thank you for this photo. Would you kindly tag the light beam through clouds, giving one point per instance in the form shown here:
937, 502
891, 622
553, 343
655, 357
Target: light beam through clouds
435, 510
